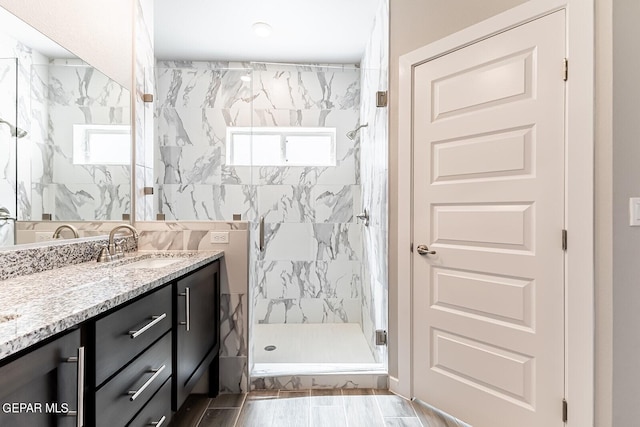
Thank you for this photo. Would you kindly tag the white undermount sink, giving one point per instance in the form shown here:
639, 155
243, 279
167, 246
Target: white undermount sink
151, 263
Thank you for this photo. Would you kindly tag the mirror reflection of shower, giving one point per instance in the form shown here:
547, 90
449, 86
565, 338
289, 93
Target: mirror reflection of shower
352, 134
15, 130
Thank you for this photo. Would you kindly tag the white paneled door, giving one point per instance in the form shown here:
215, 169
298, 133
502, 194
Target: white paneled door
488, 198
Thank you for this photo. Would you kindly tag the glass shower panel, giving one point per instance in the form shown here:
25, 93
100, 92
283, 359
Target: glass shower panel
312, 311
9, 132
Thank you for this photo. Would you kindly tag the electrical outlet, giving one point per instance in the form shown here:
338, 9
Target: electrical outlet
219, 236
43, 236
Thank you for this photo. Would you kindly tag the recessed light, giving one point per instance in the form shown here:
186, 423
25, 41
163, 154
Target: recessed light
245, 78
262, 29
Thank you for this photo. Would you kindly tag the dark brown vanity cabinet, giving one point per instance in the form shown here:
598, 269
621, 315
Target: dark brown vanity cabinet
142, 360
132, 360
196, 331
40, 388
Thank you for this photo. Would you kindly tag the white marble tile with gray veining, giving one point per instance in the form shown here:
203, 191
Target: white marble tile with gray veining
233, 339
303, 382
308, 310
309, 279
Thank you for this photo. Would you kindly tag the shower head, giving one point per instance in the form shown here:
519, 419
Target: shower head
352, 134
15, 131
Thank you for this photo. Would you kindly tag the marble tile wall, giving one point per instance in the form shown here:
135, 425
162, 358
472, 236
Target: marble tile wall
373, 175
310, 270
194, 235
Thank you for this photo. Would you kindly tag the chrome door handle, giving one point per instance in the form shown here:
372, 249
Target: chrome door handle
424, 250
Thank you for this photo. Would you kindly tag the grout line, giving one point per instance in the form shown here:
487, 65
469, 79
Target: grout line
413, 408
310, 423
235, 422
204, 412
344, 407
375, 398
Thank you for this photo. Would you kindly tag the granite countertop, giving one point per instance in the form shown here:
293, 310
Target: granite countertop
36, 306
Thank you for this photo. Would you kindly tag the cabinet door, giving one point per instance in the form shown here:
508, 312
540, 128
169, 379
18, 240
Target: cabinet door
197, 337
40, 388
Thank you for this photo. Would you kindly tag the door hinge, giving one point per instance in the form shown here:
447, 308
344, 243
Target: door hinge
564, 240
381, 337
565, 411
411, 247
381, 98
565, 69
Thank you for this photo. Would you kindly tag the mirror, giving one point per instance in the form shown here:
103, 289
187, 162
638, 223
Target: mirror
65, 144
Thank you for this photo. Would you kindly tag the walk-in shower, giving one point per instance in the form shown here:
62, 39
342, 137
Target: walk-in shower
281, 147
317, 290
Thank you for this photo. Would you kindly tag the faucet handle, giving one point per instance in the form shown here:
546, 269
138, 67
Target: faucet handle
119, 251
104, 255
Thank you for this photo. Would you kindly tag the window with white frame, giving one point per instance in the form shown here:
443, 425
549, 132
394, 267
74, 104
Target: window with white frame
281, 146
101, 144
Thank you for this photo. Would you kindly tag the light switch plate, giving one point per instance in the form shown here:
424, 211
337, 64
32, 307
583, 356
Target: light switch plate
219, 236
634, 211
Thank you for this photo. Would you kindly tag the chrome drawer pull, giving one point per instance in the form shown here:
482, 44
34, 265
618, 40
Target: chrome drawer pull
155, 320
135, 393
80, 360
187, 307
158, 423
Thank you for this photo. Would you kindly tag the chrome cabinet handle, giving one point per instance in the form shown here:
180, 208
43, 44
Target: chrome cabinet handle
187, 307
79, 413
135, 393
261, 233
159, 422
154, 321
424, 250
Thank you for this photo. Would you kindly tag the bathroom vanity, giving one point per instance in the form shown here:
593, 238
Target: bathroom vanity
122, 343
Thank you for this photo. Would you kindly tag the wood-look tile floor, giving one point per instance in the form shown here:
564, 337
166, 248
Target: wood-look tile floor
308, 408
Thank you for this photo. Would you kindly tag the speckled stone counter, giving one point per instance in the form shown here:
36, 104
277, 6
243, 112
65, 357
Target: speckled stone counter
37, 306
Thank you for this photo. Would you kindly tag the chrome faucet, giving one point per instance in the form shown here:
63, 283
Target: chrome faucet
56, 234
112, 246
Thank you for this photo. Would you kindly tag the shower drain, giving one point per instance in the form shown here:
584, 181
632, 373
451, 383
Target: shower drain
270, 348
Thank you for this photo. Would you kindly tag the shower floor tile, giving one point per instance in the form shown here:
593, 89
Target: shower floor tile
311, 343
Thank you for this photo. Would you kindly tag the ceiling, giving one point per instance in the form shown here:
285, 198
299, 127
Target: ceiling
304, 31
29, 36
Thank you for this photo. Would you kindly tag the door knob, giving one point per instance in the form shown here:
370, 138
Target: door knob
424, 250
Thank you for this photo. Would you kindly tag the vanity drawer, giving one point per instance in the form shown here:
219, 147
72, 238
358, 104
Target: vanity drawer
150, 317
158, 410
144, 376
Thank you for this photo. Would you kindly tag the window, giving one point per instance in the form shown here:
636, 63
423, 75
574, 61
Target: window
281, 146
101, 144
